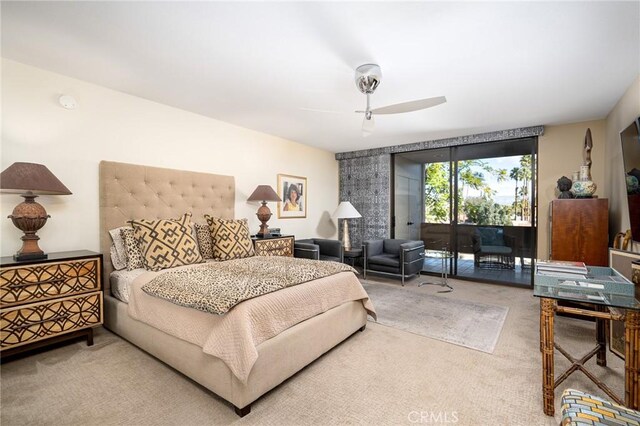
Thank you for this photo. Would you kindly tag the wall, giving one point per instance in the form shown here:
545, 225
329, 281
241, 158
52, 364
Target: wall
110, 125
560, 153
623, 113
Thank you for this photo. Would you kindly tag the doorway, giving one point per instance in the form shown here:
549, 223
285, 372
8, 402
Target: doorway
408, 198
475, 201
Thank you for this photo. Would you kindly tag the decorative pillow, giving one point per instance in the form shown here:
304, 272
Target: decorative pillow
166, 243
118, 251
231, 239
205, 243
135, 260
117, 263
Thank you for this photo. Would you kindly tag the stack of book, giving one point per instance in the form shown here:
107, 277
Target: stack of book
561, 268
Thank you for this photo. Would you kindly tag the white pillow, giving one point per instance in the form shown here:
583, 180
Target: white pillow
118, 251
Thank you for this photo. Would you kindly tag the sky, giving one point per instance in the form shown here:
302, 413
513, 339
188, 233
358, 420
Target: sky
504, 190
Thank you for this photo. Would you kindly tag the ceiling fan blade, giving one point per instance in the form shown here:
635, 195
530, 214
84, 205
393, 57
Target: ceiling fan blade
367, 126
410, 106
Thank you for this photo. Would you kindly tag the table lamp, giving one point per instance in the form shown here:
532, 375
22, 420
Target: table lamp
345, 211
28, 180
264, 193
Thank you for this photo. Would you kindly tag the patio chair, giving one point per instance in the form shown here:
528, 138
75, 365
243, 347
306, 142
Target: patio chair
493, 249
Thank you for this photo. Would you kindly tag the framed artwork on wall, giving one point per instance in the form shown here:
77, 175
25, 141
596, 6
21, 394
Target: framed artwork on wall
293, 191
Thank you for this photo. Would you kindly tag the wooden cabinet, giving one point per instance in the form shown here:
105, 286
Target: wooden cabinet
635, 277
274, 246
580, 230
49, 300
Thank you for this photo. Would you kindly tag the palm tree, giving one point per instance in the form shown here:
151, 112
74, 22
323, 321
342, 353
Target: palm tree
515, 175
525, 176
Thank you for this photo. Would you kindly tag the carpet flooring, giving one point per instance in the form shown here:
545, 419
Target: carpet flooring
470, 324
378, 377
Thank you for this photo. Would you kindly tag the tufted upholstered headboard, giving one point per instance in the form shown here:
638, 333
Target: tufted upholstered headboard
129, 191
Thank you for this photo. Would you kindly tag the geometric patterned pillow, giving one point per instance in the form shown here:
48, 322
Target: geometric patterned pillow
135, 260
166, 243
204, 240
231, 239
579, 408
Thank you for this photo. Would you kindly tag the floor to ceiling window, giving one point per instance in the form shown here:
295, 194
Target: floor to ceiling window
476, 202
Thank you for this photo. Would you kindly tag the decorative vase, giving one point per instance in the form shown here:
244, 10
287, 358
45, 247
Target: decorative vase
583, 188
632, 184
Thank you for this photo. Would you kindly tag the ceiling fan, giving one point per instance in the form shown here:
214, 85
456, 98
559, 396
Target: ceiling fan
368, 78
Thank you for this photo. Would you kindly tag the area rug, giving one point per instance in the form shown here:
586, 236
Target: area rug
464, 323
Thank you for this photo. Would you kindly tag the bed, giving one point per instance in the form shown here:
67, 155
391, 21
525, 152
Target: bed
132, 191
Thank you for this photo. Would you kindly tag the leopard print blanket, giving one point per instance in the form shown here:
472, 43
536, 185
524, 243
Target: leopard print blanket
216, 287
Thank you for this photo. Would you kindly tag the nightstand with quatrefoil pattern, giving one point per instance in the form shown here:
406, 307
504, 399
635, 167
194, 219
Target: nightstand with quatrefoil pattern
48, 300
274, 246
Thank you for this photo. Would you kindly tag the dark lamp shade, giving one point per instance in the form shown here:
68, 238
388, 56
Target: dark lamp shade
23, 177
264, 193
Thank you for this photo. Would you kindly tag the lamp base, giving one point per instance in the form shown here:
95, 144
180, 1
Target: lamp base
346, 242
29, 217
264, 214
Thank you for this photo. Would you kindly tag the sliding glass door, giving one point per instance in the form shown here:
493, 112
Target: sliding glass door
478, 203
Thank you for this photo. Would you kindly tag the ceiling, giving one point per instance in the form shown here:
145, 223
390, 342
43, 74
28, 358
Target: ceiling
263, 65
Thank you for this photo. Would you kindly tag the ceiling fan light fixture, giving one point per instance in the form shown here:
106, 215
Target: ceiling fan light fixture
368, 77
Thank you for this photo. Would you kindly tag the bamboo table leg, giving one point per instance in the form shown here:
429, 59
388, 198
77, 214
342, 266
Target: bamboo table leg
547, 312
632, 359
541, 327
601, 338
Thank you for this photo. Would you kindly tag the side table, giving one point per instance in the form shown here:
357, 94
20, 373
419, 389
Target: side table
444, 255
49, 300
352, 255
274, 246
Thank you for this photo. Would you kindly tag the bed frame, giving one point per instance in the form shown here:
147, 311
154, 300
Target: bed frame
129, 192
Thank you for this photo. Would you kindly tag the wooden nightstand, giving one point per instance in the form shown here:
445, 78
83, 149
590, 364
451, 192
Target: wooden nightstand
45, 301
274, 246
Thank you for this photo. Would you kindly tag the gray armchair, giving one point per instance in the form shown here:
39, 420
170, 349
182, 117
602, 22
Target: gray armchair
319, 249
393, 257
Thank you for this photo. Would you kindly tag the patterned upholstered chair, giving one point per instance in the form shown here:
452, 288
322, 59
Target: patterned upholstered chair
393, 257
319, 249
579, 408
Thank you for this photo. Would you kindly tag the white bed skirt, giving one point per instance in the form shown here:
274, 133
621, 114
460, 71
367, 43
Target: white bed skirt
279, 357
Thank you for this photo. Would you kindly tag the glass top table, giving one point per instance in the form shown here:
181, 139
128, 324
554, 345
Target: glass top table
599, 286
602, 294
586, 295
